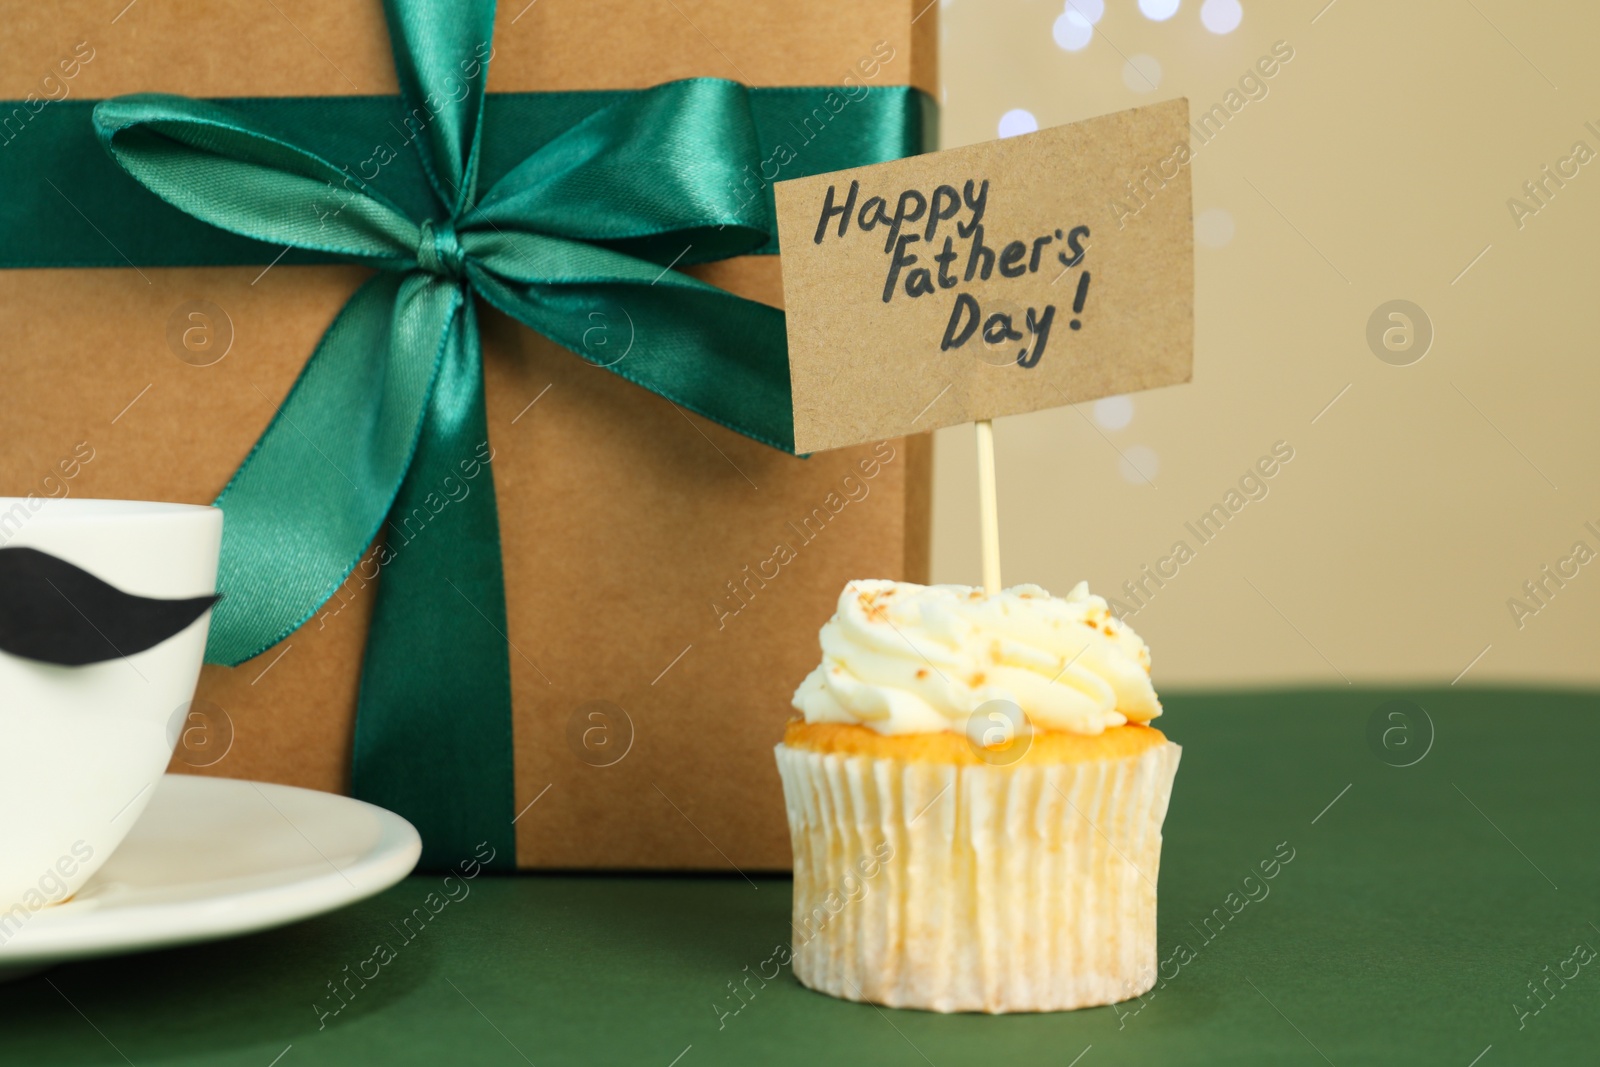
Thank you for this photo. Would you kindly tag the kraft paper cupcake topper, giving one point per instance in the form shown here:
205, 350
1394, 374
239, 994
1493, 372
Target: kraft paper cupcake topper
1031, 272
57, 612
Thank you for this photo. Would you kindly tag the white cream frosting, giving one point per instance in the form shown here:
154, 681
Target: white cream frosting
904, 659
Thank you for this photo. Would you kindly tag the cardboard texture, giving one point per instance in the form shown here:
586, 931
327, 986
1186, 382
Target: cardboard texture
652, 664
989, 280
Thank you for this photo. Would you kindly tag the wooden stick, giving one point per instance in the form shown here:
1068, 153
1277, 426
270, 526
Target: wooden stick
988, 507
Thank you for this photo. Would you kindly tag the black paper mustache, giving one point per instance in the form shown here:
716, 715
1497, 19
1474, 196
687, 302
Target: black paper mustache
56, 612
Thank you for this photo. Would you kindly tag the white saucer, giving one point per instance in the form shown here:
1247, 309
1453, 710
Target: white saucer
217, 857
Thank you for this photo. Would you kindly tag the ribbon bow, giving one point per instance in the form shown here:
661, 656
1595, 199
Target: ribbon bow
391, 402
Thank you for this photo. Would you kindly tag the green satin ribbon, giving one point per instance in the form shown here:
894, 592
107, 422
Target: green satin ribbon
390, 405
67, 204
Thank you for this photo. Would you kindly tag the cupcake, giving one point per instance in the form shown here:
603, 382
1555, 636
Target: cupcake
975, 797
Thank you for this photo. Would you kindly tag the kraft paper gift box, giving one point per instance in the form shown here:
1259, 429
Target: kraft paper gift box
664, 577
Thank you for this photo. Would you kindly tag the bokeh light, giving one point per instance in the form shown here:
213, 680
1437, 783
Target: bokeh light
1141, 73
1017, 121
1213, 227
1221, 16
1091, 10
1113, 412
1072, 31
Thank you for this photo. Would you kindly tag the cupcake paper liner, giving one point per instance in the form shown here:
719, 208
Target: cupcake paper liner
976, 888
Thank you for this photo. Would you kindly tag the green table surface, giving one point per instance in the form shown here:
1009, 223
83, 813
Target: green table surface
1420, 904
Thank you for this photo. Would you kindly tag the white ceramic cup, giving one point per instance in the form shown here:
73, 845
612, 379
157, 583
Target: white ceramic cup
82, 748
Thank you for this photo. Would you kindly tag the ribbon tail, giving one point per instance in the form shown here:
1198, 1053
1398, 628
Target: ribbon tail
433, 725
703, 348
308, 500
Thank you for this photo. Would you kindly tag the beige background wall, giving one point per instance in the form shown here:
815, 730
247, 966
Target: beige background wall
1377, 167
